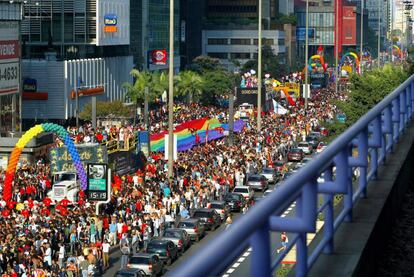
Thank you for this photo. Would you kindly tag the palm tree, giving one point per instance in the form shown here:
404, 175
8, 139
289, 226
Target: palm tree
136, 91
191, 84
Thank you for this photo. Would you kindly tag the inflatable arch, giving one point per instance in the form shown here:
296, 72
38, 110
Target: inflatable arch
398, 50
317, 57
33, 132
352, 54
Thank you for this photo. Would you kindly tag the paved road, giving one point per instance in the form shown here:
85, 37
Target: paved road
116, 256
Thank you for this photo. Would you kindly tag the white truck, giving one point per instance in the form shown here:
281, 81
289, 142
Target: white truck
245, 112
65, 184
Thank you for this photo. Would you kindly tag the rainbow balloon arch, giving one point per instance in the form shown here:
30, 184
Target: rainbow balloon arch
33, 132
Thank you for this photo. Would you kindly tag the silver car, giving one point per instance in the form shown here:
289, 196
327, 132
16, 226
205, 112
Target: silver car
270, 174
179, 237
149, 263
193, 227
257, 182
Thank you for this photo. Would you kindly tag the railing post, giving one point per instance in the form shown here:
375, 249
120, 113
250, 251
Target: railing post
408, 102
363, 147
301, 245
403, 111
396, 117
348, 203
329, 216
260, 242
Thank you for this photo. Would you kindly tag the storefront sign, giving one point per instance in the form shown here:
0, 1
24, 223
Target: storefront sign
158, 57
9, 57
29, 85
110, 23
60, 160
97, 182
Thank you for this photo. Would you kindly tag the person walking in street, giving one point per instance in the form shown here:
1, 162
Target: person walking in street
105, 252
284, 240
125, 250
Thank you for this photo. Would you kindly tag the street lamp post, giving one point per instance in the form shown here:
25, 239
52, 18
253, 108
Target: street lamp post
362, 34
171, 95
379, 34
259, 70
306, 54
336, 46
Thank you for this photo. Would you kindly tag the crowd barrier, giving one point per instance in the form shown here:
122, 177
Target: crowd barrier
373, 136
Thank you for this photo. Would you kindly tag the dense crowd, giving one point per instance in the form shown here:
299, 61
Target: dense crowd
38, 239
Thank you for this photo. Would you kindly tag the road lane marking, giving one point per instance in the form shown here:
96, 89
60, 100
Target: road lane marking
241, 259
246, 254
283, 215
236, 264
225, 275
231, 270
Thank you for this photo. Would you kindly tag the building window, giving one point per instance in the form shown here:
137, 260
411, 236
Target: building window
240, 41
218, 55
217, 41
265, 41
243, 56
281, 41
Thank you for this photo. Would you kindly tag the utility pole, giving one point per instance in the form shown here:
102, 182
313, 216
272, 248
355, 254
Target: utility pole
362, 34
259, 71
306, 55
379, 33
171, 95
336, 46
231, 115
146, 119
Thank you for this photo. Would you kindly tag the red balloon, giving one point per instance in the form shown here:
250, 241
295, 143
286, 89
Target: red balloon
5, 213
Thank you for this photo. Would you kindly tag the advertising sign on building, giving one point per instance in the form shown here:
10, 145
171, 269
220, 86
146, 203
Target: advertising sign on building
60, 160
29, 85
158, 57
9, 57
301, 33
112, 22
97, 182
349, 25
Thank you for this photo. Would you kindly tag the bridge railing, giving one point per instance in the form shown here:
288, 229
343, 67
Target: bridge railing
373, 136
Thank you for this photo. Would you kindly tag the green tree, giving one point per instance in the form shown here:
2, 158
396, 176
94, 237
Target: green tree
136, 90
203, 64
191, 84
271, 63
105, 110
216, 83
365, 92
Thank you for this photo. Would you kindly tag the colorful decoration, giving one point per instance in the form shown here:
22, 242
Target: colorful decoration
33, 132
192, 132
397, 51
347, 68
317, 61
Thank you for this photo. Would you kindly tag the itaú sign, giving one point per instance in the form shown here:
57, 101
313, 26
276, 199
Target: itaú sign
110, 23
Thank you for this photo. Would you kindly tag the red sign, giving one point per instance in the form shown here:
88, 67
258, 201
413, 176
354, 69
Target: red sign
349, 25
9, 49
159, 57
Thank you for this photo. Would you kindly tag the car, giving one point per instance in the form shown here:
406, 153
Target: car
267, 192
179, 237
306, 160
208, 217
280, 167
148, 262
306, 147
313, 140
246, 191
164, 248
235, 201
193, 227
321, 146
295, 155
258, 182
130, 272
221, 208
271, 175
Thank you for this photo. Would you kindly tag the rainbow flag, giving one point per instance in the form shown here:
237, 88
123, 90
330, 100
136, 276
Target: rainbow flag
205, 129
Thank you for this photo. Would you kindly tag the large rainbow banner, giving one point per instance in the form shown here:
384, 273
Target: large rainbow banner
194, 132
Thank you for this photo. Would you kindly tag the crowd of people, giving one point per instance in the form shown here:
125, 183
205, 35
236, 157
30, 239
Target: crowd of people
68, 239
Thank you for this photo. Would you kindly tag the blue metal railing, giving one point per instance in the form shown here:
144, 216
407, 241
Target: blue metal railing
373, 135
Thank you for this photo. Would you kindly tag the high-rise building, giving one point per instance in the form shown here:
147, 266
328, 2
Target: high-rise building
378, 12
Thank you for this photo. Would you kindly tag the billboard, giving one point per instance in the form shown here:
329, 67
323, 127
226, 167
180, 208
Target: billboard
301, 33
9, 57
248, 95
60, 160
349, 25
97, 189
158, 57
112, 22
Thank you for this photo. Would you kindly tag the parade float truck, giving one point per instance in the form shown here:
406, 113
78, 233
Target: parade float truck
65, 184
